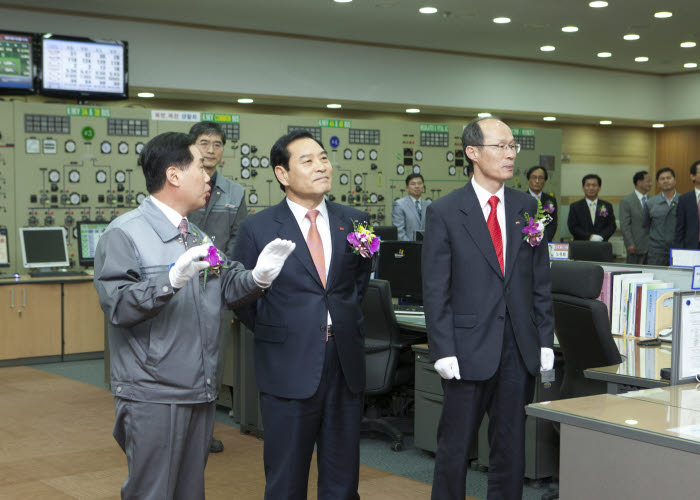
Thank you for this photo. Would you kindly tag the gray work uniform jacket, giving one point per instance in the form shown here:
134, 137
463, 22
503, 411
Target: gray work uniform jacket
223, 214
660, 219
163, 344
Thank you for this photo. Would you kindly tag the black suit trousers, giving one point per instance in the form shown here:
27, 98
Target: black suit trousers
504, 396
330, 419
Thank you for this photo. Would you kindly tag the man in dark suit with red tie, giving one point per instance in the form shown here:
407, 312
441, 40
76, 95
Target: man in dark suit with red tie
308, 329
488, 312
687, 233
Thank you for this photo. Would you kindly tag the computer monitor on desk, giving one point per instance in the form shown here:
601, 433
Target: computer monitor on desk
400, 264
89, 233
386, 233
43, 248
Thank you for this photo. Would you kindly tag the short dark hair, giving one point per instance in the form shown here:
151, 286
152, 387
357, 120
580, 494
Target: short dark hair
414, 176
694, 168
206, 128
639, 176
532, 169
665, 169
279, 155
161, 152
591, 176
472, 135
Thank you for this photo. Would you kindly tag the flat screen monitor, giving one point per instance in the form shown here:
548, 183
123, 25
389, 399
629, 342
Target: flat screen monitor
400, 264
17, 70
43, 247
386, 233
4, 248
89, 233
84, 68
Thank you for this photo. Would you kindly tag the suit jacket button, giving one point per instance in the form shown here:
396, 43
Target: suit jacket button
500, 317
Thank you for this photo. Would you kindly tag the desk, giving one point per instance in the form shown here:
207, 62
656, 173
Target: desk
640, 369
49, 319
643, 444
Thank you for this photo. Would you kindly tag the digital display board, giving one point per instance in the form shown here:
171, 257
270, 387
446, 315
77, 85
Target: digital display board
16, 62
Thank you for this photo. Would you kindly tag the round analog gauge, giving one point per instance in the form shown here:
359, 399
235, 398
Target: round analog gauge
255, 162
416, 169
252, 198
358, 178
123, 148
419, 155
140, 197
245, 149
54, 176
101, 176
373, 154
264, 162
120, 177
74, 199
245, 173
245, 162
106, 147
70, 146
347, 154
74, 176
400, 169
465, 171
360, 154
344, 179
450, 156
373, 198
452, 170
139, 147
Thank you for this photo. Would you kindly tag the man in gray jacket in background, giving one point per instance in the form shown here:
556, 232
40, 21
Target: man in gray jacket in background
163, 322
632, 219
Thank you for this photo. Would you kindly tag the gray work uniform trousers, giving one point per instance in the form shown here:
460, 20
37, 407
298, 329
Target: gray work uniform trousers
166, 447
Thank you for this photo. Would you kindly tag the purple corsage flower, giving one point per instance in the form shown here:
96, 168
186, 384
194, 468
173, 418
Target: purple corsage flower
363, 241
534, 231
603, 211
549, 208
216, 263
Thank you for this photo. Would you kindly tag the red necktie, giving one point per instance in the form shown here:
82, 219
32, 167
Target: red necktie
313, 241
495, 230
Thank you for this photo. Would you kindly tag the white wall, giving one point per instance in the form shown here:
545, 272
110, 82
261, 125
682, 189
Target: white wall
163, 56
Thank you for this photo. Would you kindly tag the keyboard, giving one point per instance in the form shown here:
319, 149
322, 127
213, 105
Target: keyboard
56, 274
408, 308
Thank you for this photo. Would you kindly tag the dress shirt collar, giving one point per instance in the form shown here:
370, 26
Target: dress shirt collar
668, 202
697, 195
483, 195
591, 202
299, 212
415, 199
639, 195
538, 196
172, 214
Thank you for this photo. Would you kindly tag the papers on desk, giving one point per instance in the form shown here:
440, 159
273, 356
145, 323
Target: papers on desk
685, 258
686, 346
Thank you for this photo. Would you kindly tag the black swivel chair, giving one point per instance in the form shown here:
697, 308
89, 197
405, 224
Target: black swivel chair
596, 251
389, 367
582, 325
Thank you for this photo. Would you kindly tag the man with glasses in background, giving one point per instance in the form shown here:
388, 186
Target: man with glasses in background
537, 176
408, 213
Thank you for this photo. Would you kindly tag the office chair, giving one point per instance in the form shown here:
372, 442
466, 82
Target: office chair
389, 366
596, 251
582, 325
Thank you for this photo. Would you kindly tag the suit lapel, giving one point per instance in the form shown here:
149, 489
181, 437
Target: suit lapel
514, 214
213, 198
475, 224
290, 230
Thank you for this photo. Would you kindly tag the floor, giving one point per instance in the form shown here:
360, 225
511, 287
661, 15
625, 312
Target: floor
66, 450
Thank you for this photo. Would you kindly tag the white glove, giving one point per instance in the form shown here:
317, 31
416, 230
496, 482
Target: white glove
546, 359
188, 264
596, 237
448, 368
271, 260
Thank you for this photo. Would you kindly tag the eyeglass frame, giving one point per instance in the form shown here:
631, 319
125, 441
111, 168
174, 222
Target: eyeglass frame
515, 147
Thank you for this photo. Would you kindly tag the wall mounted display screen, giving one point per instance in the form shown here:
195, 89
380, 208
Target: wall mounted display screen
89, 234
16, 63
84, 68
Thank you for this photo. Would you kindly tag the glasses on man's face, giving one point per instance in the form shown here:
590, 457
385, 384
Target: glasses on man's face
537, 178
502, 147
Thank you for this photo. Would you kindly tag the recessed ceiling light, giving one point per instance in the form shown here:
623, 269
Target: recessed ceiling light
501, 20
146, 94
605, 122
658, 125
484, 115
690, 65
631, 36
598, 5
412, 110
334, 106
245, 100
663, 15
641, 59
547, 48
549, 118
427, 10
688, 45
604, 54
342, 1
570, 29
631, 422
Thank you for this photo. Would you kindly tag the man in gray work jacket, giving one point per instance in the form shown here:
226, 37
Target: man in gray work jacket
660, 218
219, 218
163, 322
